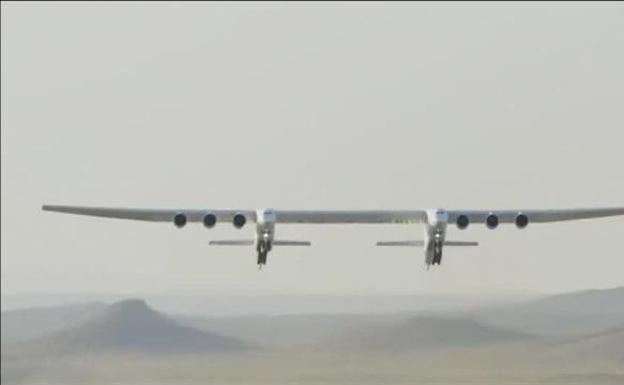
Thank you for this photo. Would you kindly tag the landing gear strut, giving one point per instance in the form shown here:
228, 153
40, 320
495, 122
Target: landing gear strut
437, 253
263, 249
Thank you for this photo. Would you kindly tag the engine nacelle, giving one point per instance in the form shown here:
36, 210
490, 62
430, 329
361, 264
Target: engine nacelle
179, 220
521, 221
210, 220
462, 222
491, 221
239, 220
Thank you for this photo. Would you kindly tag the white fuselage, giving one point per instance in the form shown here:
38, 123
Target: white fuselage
265, 225
435, 231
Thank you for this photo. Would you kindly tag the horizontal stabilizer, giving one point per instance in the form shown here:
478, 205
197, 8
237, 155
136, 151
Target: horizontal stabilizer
402, 243
250, 242
422, 243
291, 243
460, 243
234, 242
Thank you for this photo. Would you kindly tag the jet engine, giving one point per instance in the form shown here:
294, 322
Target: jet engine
239, 220
179, 220
210, 220
462, 222
491, 221
521, 221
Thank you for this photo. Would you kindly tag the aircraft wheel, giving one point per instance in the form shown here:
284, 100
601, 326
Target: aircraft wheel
262, 258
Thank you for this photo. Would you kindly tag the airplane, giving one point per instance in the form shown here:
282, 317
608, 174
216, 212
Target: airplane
435, 222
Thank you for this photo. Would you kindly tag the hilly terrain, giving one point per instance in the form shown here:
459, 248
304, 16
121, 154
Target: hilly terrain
129, 342
27, 324
424, 333
292, 330
569, 314
129, 326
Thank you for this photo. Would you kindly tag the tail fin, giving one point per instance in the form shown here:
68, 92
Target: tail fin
460, 243
234, 242
402, 243
291, 243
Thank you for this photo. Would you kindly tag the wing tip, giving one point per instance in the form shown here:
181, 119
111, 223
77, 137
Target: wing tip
53, 207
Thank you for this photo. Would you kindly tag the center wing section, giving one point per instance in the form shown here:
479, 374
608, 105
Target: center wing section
349, 216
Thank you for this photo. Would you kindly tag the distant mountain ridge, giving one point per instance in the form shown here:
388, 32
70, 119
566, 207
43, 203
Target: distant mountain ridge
26, 324
576, 313
426, 332
583, 320
131, 326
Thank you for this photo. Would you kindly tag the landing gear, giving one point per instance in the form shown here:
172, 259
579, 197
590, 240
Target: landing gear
437, 253
263, 249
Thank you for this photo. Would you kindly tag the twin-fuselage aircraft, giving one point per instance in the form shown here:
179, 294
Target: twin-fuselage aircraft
435, 222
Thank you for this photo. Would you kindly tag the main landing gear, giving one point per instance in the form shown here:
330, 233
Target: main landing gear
437, 252
263, 249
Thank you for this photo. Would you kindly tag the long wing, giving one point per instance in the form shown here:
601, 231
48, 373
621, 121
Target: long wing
153, 215
281, 216
337, 217
536, 216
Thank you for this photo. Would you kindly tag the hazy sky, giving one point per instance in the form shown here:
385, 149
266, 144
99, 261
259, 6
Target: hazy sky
329, 106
